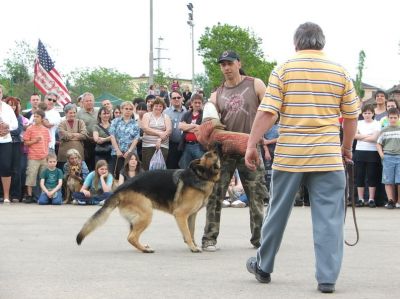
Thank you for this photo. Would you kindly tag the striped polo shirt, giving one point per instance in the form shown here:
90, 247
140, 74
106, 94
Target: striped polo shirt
310, 92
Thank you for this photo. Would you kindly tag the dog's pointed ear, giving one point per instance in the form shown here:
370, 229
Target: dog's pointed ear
194, 163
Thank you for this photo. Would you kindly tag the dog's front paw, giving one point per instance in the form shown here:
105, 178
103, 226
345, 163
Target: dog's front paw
195, 249
148, 249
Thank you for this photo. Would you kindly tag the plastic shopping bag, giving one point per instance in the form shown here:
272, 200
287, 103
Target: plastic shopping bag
157, 161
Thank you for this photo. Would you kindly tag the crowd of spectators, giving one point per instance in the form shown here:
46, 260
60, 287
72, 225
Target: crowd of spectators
100, 147
125, 138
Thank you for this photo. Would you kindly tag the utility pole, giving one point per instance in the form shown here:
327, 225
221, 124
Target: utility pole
158, 58
151, 59
191, 24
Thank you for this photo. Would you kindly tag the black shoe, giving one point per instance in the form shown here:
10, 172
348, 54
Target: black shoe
326, 287
256, 244
360, 203
29, 199
372, 204
298, 203
390, 205
252, 267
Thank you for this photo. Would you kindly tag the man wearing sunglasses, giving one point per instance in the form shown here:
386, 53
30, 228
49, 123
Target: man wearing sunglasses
175, 113
52, 119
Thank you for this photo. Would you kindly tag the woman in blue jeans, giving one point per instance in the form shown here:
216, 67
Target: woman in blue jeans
96, 187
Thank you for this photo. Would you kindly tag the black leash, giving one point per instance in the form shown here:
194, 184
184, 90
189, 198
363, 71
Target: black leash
349, 167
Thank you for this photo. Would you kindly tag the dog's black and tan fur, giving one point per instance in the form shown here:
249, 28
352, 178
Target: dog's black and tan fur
181, 193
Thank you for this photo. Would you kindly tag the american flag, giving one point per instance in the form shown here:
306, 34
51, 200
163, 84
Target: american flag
47, 78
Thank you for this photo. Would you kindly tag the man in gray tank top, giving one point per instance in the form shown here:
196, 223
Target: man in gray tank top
236, 100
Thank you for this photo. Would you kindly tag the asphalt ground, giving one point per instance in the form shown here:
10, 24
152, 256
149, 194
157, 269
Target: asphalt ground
40, 259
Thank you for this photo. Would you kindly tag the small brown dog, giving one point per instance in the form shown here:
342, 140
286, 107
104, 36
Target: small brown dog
74, 182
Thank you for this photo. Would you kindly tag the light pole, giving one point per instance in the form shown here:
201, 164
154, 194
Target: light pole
191, 24
151, 59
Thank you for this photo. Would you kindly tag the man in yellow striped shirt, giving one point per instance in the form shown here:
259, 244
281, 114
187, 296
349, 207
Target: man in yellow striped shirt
309, 92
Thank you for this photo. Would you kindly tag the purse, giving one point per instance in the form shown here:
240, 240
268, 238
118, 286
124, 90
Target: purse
104, 148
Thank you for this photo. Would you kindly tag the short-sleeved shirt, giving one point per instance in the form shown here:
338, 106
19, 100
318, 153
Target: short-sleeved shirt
124, 133
51, 177
89, 182
38, 150
367, 128
390, 140
54, 119
175, 115
90, 119
310, 92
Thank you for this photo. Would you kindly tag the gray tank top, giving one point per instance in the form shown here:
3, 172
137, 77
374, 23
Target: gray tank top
238, 105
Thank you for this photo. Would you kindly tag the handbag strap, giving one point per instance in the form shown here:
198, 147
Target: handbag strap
104, 130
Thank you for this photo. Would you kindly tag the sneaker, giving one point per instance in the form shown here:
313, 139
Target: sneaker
390, 205
101, 203
372, 204
29, 199
74, 202
226, 203
209, 246
253, 268
298, 203
15, 200
360, 203
238, 204
326, 287
398, 205
6, 200
81, 202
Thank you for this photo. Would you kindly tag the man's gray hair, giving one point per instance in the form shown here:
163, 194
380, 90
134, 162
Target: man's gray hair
309, 36
51, 93
87, 94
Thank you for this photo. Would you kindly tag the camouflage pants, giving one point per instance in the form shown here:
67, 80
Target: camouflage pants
254, 186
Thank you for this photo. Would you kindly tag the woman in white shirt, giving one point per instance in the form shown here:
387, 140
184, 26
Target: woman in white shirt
366, 156
8, 122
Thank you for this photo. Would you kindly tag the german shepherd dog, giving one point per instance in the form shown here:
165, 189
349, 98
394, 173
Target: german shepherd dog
180, 192
73, 182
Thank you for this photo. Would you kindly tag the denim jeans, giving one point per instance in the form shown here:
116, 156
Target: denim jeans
45, 200
190, 153
94, 200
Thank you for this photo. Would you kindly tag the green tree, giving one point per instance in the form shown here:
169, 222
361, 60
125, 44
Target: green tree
358, 84
219, 38
161, 78
16, 71
202, 81
101, 80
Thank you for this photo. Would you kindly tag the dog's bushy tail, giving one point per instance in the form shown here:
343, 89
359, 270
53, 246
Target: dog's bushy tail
98, 218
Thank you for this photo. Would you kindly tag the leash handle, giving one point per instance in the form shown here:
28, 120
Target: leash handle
349, 194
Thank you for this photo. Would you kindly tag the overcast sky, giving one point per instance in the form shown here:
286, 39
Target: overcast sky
115, 34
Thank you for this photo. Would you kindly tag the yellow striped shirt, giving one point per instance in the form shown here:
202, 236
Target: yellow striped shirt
310, 93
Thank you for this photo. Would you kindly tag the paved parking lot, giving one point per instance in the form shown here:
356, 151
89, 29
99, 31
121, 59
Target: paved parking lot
40, 259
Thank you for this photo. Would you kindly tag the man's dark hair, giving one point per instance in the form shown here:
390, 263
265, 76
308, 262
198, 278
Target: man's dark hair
40, 113
380, 91
368, 107
136, 101
150, 97
393, 111
309, 36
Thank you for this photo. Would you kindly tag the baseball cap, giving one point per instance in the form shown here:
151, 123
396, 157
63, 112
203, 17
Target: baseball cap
228, 56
